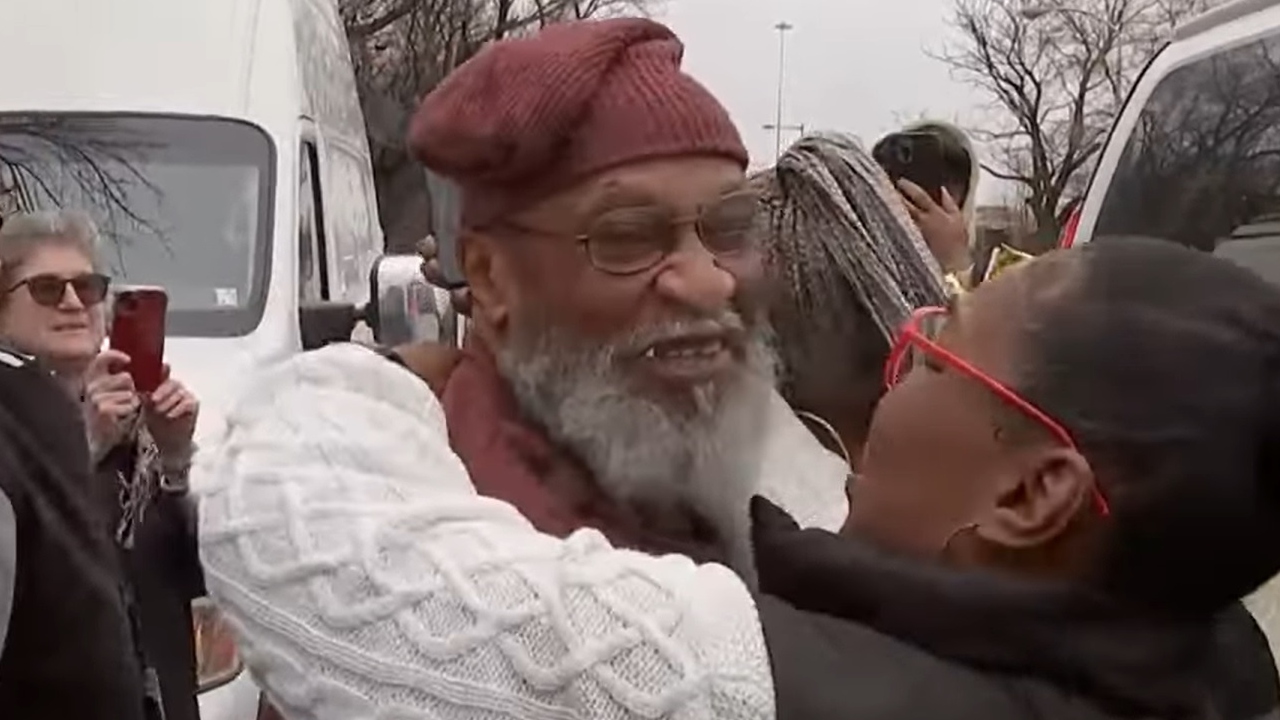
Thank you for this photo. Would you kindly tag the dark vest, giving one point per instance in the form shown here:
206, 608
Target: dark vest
68, 652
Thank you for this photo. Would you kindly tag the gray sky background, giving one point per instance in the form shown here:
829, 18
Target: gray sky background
858, 66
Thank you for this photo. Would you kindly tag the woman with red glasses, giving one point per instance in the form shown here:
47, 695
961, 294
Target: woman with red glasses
1101, 485
1074, 475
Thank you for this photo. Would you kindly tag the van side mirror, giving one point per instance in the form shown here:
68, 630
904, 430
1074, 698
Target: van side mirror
324, 321
404, 307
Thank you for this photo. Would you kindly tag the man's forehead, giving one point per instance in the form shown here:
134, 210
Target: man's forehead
673, 182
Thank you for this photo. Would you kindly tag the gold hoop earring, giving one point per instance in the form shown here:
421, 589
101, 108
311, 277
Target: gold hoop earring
834, 436
946, 545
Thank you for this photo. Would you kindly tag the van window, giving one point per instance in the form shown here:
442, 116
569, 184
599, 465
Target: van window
1202, 166
183, 203
351, 218
313, 266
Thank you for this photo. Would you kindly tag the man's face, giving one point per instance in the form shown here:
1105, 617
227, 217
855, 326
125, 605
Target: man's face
634, 331
619, 260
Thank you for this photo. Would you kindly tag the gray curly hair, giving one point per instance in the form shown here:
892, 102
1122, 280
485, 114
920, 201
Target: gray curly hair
848, 265
22, 234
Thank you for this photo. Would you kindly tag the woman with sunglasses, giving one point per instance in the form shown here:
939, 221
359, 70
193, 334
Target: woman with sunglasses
53, 307
1071, 478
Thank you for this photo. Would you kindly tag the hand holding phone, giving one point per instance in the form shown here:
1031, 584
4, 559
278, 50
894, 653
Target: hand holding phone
459, 294
446, 229
943, 226
110, 400
137, 330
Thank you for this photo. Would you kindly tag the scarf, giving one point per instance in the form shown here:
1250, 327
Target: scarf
134, 462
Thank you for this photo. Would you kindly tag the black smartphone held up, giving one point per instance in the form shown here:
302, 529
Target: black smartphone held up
914, 156
446, 227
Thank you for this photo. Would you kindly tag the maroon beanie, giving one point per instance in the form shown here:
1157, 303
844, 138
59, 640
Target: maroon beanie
529, 116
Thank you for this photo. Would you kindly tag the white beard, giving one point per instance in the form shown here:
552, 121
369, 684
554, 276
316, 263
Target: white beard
706, 458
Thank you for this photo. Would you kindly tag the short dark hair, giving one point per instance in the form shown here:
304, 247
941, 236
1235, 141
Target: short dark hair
957, 162
1164, 364
958, 168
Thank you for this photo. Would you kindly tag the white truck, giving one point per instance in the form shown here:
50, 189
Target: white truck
1194, 158
221, 147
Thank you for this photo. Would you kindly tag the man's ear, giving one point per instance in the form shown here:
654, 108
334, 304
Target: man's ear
1047, 491
486, 268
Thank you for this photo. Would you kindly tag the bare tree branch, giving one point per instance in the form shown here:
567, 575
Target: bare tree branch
1056, 79
402, 48
47, 159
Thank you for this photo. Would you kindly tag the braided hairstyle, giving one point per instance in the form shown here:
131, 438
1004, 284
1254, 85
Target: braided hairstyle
1164, 364
848, 266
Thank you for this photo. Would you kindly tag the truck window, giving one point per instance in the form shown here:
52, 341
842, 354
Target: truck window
313, 270
1202, 166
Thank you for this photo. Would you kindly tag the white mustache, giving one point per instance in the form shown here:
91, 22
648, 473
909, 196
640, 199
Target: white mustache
729, 325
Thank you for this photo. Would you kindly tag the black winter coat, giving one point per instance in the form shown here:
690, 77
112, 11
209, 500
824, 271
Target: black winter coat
855, 634
163, 576
67, 652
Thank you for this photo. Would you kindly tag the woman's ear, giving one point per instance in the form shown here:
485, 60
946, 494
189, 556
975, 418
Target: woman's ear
1049, 489
484, 266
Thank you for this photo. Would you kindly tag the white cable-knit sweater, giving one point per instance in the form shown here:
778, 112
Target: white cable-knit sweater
367, 580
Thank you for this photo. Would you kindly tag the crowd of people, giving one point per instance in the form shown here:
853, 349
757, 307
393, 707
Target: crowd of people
717, 445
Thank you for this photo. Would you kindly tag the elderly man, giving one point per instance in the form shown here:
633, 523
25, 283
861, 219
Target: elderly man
618, 374
451, 608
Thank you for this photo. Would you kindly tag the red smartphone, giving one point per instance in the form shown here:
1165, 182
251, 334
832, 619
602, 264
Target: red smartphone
137, 330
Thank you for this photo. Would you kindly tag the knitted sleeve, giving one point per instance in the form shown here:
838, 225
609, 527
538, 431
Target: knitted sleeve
366, 578
8, 564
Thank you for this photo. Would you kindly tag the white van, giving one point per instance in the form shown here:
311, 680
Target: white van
1194, 158
221, 147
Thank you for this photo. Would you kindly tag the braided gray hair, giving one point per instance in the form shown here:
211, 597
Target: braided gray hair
848, 264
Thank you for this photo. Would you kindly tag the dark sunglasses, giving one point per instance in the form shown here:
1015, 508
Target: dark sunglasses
631, 240
49, 290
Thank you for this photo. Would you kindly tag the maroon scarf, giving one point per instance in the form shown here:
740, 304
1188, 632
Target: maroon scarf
510, 459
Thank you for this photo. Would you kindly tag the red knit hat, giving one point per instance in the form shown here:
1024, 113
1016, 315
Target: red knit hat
529, 116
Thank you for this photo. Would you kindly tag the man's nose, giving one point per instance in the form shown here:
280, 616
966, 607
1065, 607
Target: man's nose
694, 278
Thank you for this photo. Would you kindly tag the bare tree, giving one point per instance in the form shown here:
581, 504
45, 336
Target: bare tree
1056, 77
402, 48
48, 159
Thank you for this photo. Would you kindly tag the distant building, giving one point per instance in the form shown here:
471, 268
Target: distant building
996, 224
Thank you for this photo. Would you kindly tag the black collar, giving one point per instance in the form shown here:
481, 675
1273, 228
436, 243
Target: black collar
1128, 661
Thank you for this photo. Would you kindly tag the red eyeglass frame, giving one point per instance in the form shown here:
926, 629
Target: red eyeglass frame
910, 335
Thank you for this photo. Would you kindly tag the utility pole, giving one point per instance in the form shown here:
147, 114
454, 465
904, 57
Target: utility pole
782, 27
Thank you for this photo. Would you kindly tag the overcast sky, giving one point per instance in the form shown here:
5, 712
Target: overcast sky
854, 65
